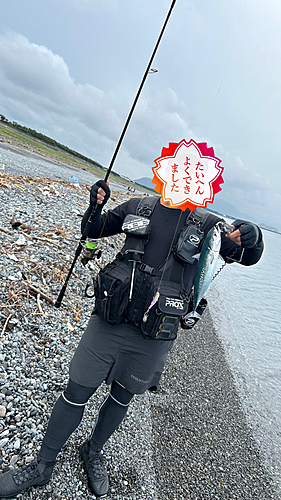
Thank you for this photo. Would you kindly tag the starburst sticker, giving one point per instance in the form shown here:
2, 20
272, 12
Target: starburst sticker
187, 175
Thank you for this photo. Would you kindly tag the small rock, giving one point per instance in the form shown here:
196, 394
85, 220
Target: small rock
14, 459
2, 411
17, 444
3, 442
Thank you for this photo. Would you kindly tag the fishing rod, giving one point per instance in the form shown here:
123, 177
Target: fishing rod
96, 207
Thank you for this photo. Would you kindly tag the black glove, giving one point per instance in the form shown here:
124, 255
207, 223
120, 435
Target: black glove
94, 193
250, 233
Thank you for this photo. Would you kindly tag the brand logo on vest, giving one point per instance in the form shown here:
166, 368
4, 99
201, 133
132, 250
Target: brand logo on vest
194, 240
189, 322
175, 303
135, 224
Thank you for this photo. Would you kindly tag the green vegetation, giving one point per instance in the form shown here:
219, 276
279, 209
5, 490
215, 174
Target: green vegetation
26, 137
47, 140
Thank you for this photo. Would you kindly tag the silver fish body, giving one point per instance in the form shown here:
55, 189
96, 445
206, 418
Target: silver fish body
207, 264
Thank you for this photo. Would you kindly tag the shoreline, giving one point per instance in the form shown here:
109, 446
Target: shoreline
208, 437
190, 440
28, 145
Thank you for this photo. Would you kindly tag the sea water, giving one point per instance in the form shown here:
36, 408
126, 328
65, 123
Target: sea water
245, 305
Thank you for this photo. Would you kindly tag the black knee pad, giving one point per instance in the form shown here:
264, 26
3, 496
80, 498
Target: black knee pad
120, 394
77, 394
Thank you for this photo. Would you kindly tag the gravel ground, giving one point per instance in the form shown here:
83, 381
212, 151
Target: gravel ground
23, 161
190, 440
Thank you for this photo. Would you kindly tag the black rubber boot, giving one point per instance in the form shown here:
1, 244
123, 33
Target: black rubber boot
37, 473
96, 472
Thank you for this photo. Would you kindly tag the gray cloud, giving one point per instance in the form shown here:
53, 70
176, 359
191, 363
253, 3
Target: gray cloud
39, 81
37, 89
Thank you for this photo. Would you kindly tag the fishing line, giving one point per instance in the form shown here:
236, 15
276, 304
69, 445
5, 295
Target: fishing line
234, 40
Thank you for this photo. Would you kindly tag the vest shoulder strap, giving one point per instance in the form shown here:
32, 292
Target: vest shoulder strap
146, 206
199, 216
174, 268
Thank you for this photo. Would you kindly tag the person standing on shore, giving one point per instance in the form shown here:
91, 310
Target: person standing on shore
123, 344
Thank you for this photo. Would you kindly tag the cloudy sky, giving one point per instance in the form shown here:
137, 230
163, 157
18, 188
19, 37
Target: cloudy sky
71, 68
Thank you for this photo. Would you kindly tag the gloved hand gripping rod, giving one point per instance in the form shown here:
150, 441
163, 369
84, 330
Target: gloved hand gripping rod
77, 253
99, 207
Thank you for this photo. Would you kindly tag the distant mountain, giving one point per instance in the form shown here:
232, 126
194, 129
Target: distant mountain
273, 229
225, 208
220, 206
146, 182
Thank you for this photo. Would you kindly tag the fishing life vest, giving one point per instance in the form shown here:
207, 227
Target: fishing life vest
128, 290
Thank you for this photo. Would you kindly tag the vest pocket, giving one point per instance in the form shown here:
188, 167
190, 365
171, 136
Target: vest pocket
160, 326
161, 320
112, 293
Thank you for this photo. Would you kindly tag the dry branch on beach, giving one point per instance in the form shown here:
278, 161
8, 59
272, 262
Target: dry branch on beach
39, 237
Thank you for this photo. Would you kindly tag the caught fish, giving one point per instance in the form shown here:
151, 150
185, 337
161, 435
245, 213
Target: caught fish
207, 264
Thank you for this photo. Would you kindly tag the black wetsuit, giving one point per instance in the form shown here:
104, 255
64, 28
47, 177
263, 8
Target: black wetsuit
119, 354
164, 220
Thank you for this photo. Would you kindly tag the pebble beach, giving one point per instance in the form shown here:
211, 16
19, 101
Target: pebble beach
189, 440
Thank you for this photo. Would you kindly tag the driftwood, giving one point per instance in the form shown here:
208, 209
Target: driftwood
38, 303
5, 325
40, 239
5, 231
39, 292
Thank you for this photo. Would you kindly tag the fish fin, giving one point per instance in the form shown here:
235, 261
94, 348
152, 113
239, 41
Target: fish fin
196, 256
194, 314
